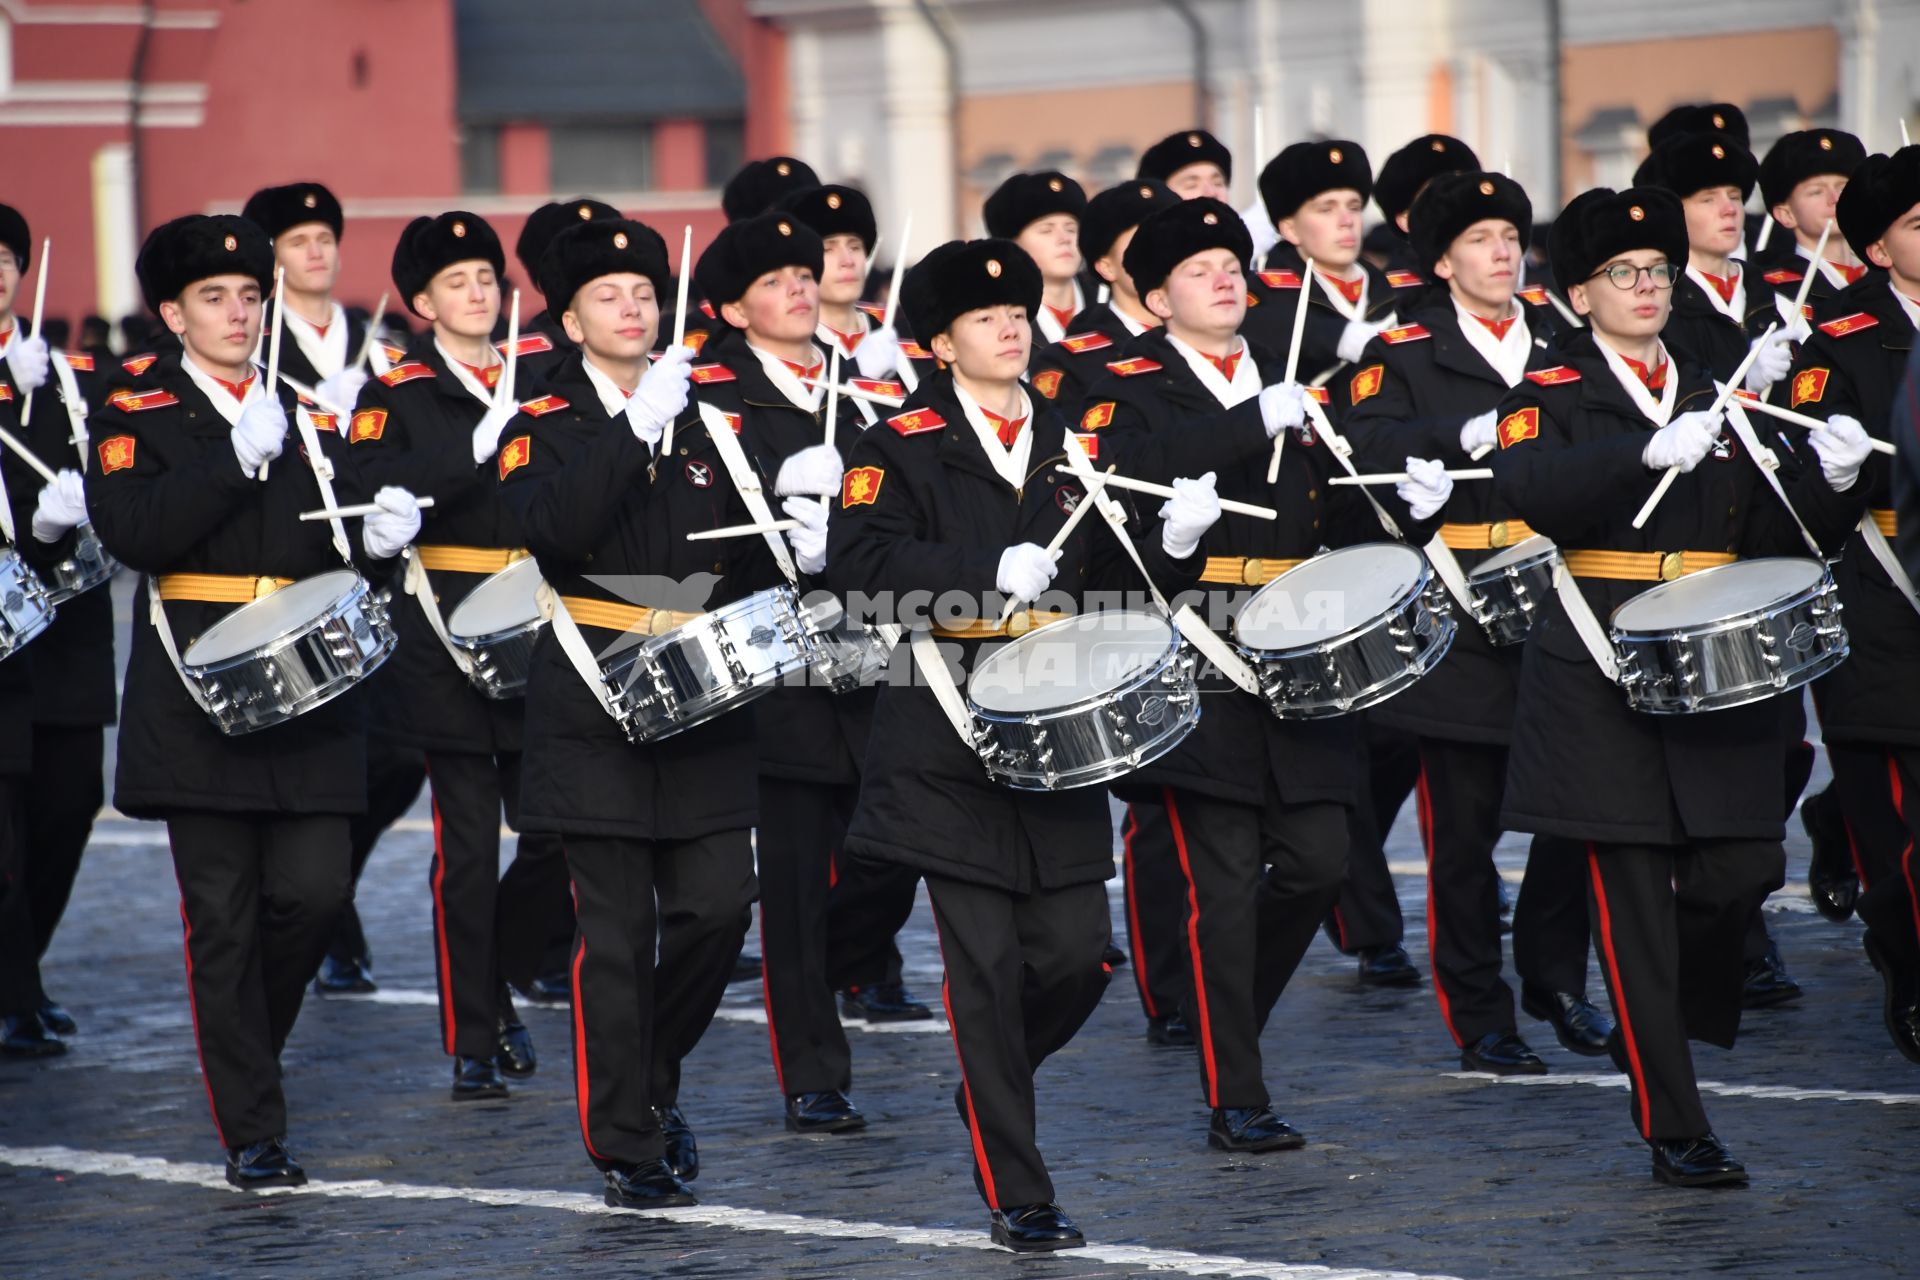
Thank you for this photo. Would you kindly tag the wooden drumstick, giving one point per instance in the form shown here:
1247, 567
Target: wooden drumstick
899, 271
273, 341
1396, 477
679, 319
39, 319
356, 509
1719, 404
855, 393
742, 530
503, 390
373, 330
27, 455
1094, 483
1166, 491
1813, 269
1293, 361
1802, 420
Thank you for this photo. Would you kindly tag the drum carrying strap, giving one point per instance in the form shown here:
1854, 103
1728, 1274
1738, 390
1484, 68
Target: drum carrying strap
747, 481
933, 669
1769, 464
75, 406
157, 614
1883, 552
420, 587
574, 645
1585, 624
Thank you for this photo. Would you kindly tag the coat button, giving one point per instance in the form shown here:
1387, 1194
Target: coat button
1312, 494
719, 566
683, 451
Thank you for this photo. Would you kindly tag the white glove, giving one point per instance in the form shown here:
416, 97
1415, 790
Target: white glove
1683, 442
63, 504
1772, 364
259, 433
486, 436
1478, 433
1189, 513
1025, 571
1428, 488
810, 539
1355, 337
662, 394
1283, 407
1797, 330
1842, 443
343, 388
814, 471
393, 526
29, 361
878, 353
1260, 227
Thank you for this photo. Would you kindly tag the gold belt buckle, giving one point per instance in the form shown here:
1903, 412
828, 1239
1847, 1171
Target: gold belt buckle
1020, 623
659, 622
1498, 535
264, 587
1253, 571
516, 554
1672, 565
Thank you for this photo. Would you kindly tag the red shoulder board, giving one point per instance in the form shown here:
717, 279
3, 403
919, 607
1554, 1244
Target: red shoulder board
1320, 395
1136, 365
529, 344
1845, 325
1090, 443
706, 309
137, 365
1782, 276
1405, 279
705, 373
406, 373
543, 406
1405, 333
393, 354
914, 351
1553, 377
917, 421
1081, 343
135, 401
874, 310
79, 362
6, 392
881, 387
1536, 294
323, 421
1280, 279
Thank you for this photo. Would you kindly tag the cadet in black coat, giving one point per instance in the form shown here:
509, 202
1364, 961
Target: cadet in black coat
258, 823
1851, 369
543, 339
958, 495
321, 343
1041, 213
1679, 851
656, 835
1801, 179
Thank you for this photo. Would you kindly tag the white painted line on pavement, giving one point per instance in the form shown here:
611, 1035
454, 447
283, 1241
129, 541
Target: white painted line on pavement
1789, 1093
726, 1013
213, 1178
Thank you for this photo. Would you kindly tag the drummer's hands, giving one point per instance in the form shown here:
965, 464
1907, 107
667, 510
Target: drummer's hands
1478, 433
1841, 442
63, 504
393, 526
810, 539
662, 394
258, 435
29, 361
1775, 358
1283, 407
1188, 514
814, 470
1355, 337
878, 353
1427, 487
1025, 571
343, 388
486, 436
1683, 442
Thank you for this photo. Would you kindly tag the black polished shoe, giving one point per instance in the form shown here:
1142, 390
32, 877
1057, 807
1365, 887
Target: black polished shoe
1502, 1053
824, 1111
266, 1163
1900, 1005
1387, 965
57, 1020
352, 977
683, 1153
516, 1057
1768, 982
1113, 957
1035, 1228
888, 1002
549, 989
1695, 1162
646, 1186
477, 1078
1251, 1129
1577, 1023
1171, 1031
1832, 882
23, 1035
746, 968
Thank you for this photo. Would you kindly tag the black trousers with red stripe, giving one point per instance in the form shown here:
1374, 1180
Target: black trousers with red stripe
1367, 913
259, 894
1156, 894
19, 962
1879, 790
479, 915
802, 825
66, 793
1668, 921
1551, 932
1023, 973
395, 775
870, 903
1458, 801
1258, 882
660, 926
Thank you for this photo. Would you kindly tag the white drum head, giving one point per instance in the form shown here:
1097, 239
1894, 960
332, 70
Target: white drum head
1715, 594
1329, 596
501, 603
1069, 661
266, 620
1526, 549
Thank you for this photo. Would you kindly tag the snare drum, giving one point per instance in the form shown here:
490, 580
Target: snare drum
496, 626
289, 652
26, 606
1729, 636
1083, 701
88, 567
1346, 630
1507, 588
846, 656
720, 661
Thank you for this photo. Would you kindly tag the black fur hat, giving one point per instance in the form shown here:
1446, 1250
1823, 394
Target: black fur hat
14, 235
1881, 189
966, 275
1306, 169
548, 221
1695, 161
1703, 117
1452, 202
585, 251
274, 209
1416, 164
197, 246
1807, 154
746, 250
1175, 234
1025, 198
1178, 150
430, 245
1111, 213
1598, 226
833, 210
760, 184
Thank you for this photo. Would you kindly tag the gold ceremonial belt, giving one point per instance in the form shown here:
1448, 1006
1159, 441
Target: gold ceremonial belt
1643, 566
613, 616
1246, 571
1885, 519
1485, 537
1017, 625
469, 559
219, 588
